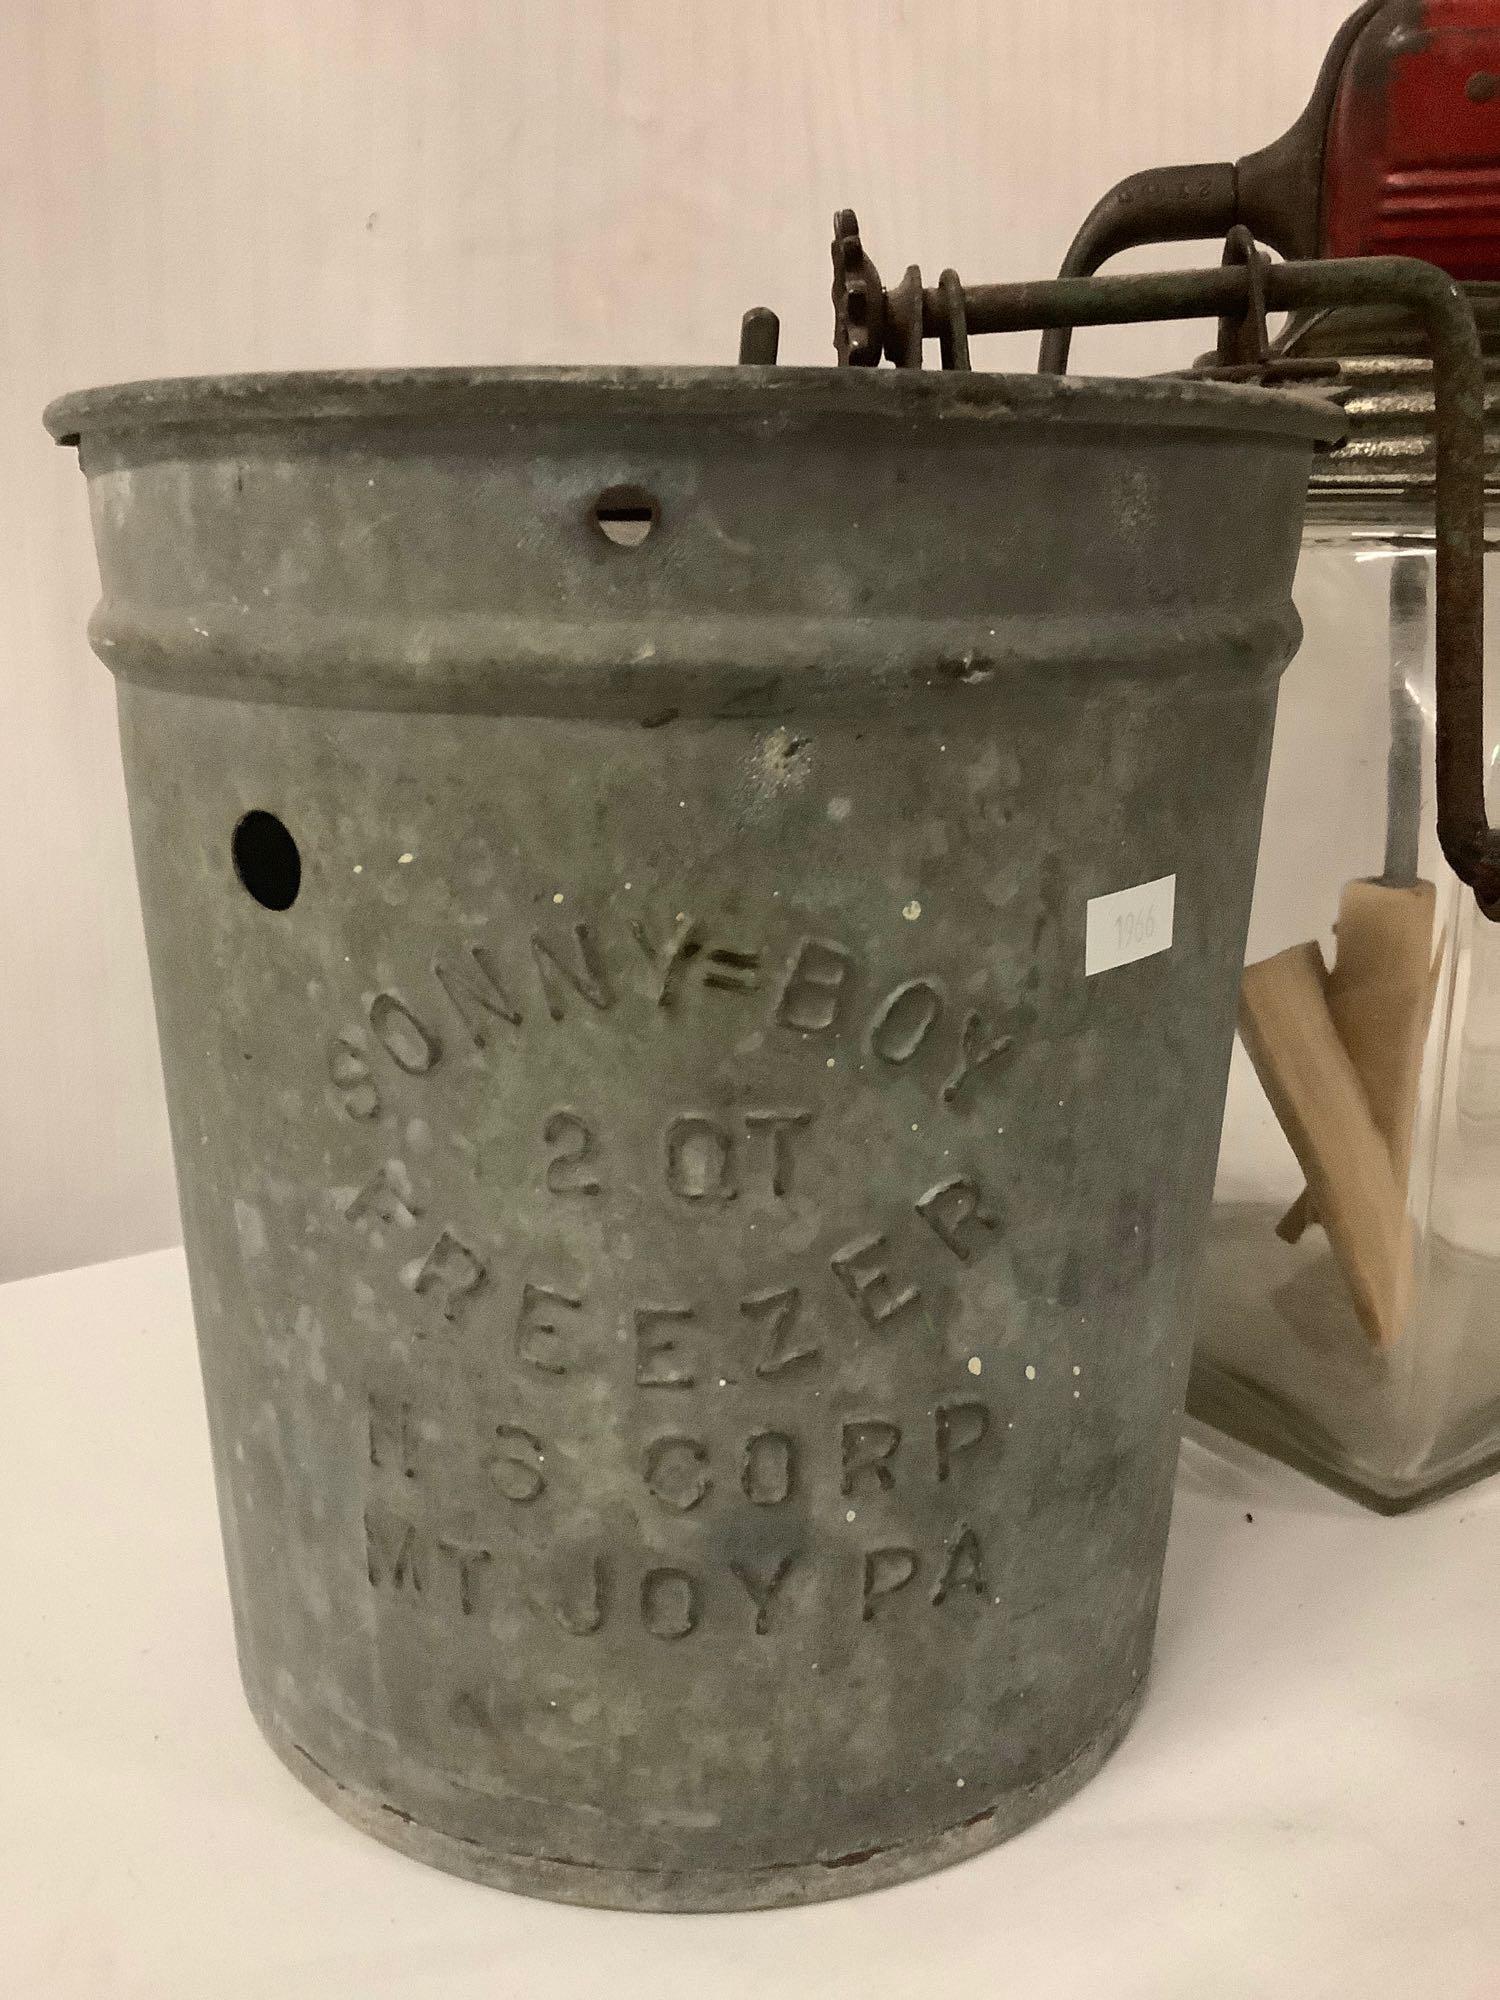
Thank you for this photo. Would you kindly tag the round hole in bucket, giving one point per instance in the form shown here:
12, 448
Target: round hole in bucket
625, 515
267, 861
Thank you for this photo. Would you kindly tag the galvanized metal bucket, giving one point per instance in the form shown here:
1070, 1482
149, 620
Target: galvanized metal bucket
695, 919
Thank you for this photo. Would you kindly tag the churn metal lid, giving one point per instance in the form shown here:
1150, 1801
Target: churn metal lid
1385, 468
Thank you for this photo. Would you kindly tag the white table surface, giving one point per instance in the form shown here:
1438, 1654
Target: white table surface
1308, 1806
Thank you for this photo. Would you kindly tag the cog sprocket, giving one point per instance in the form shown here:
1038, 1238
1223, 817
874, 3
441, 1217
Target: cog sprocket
858, 297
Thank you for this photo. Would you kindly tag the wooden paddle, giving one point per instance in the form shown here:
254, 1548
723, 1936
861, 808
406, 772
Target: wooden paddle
1339, 1053
1315, 1091
1380, 995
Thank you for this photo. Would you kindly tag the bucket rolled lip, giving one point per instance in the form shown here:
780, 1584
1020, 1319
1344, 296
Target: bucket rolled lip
775, 396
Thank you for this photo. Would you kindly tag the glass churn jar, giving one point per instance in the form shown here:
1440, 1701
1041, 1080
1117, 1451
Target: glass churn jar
1351, 1300
1355, 1331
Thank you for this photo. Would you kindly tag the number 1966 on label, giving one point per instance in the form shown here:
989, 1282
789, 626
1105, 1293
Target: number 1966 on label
1130, 924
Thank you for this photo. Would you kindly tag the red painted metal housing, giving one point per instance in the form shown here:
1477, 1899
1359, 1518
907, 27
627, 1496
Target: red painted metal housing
1412, 164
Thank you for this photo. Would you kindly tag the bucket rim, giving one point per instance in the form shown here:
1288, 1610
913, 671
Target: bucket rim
778, 395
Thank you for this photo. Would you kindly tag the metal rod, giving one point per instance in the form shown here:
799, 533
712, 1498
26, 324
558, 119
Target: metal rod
1464, 832
1208, 294
1403, 775
760, 337
1161, 205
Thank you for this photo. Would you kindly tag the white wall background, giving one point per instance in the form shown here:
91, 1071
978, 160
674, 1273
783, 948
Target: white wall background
200, 185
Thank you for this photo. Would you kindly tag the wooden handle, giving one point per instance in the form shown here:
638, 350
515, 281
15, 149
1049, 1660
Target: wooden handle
1380, 995
1288, 1028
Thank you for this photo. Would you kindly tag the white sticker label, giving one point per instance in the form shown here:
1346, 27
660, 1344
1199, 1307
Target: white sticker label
1130, 924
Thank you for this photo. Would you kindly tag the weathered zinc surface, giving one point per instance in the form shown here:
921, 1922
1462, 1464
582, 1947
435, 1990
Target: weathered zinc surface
689, 1260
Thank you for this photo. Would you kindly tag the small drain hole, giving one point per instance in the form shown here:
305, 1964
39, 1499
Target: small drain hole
625, 515
267, 861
